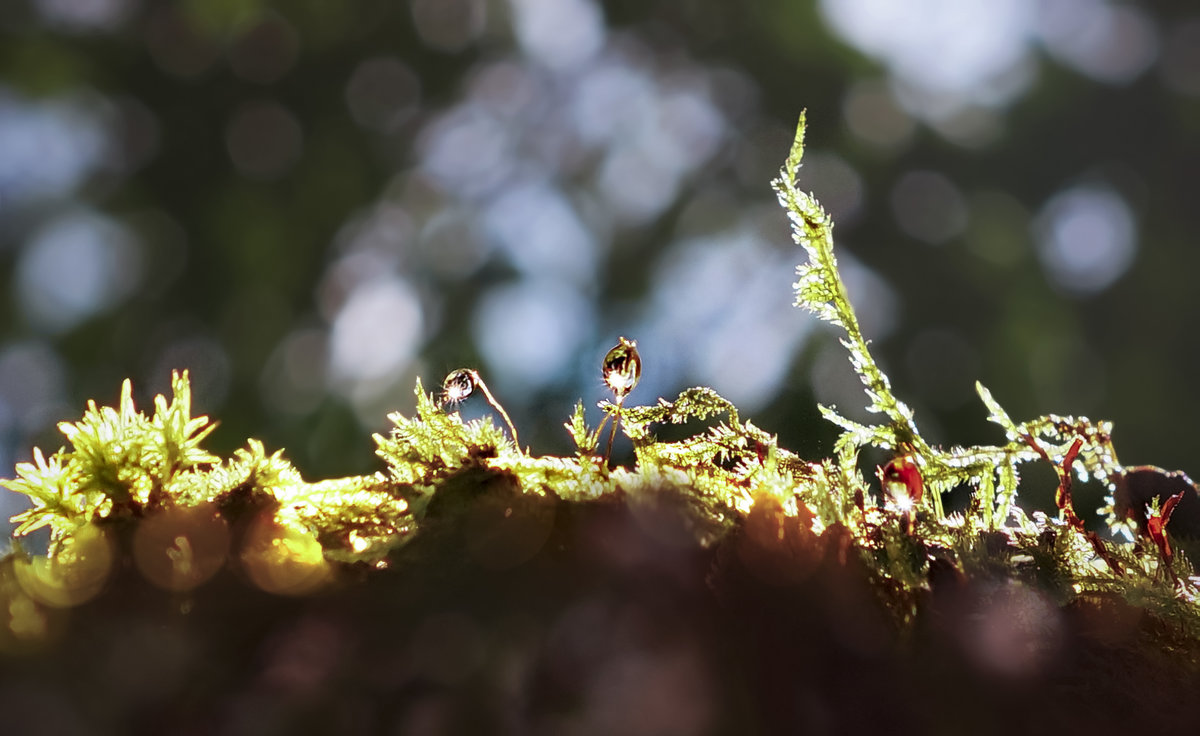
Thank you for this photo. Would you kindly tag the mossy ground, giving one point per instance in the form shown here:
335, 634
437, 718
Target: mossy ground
717, 583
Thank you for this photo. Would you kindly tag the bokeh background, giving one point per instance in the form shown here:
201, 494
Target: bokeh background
309, 205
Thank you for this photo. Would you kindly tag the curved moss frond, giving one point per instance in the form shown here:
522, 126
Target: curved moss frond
820, 290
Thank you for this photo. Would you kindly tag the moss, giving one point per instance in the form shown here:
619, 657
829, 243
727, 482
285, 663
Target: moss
134, 498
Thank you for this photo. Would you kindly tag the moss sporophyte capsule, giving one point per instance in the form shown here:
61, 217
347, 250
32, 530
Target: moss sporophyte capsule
622, 368
902, 481
458, 385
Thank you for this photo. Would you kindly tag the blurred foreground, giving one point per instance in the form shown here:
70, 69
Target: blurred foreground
616, 623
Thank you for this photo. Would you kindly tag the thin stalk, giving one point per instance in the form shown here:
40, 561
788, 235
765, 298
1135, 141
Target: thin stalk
499, 409
613, 435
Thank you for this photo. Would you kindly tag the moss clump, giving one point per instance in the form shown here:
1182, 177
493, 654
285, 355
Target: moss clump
139, 486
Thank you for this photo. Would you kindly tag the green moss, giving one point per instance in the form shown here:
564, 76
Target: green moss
126, 479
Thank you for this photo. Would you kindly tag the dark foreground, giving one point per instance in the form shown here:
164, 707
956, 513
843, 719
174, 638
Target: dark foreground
597, 619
